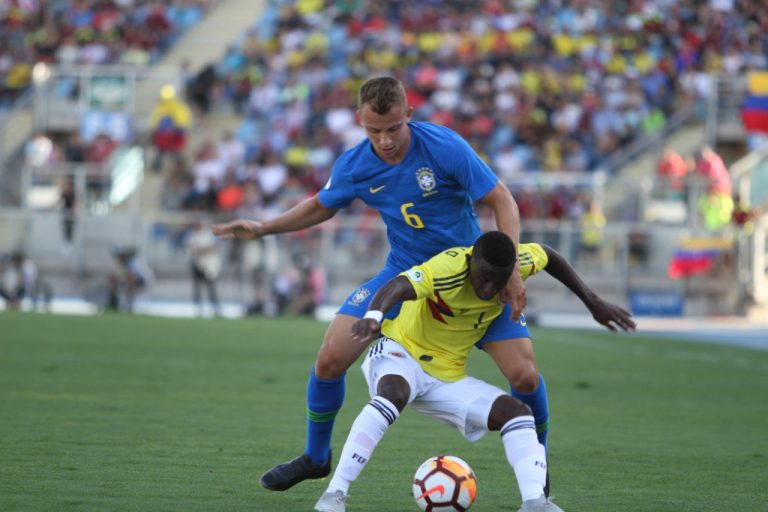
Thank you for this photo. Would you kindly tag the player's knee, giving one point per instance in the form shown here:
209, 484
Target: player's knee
526, 380
395, 389
506, 408
329, 366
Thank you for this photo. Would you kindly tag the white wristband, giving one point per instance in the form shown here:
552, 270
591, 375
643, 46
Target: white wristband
374, 314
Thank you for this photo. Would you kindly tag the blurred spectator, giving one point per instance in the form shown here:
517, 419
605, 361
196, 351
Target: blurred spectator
309, 288
100, 149
270, 174
231, 194
201, 88
744, 216
716, 203
131, 277
208, 172
710, 166
75, 149
20, 279
177, 184
673, 171
592, 226
205, 265
232, 152
169, 123
40, 151
68, 205
716, 210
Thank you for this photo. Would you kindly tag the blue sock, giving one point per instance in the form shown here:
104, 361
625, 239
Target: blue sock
324, 399
539, 404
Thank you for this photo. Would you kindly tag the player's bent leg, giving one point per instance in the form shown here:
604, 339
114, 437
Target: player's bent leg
325, 390
325, 396
504, 409
367, 431
524, 452
395, 389
516, 360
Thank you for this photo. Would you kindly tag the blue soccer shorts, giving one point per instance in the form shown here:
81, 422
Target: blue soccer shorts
357, 302
504, 328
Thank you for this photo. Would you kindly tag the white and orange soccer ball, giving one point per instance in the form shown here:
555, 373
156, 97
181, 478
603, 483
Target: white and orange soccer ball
444, 484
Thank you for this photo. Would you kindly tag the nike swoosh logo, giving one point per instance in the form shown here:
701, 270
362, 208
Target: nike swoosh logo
436, 488
374, 190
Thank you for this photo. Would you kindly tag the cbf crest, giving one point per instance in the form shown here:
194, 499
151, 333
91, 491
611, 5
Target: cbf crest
360, 295
426, 179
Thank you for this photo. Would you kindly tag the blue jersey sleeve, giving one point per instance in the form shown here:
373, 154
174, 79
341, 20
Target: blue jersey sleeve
466, 166
339, 191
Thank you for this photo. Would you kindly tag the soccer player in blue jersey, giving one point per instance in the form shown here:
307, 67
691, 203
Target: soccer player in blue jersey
423, 179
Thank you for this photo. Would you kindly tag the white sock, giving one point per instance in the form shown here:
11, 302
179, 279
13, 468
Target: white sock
526, 456
366, 432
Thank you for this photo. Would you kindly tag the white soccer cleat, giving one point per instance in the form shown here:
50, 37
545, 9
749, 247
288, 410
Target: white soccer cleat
540, 504
334, 501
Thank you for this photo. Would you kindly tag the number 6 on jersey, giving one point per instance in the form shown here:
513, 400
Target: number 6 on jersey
411, 219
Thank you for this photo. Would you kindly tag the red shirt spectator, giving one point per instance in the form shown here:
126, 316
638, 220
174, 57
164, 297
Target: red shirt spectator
673, 168
100, 149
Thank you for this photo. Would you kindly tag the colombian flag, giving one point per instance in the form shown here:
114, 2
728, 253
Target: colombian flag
754, 110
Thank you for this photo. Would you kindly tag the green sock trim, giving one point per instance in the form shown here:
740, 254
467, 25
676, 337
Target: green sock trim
544, 427
322, 417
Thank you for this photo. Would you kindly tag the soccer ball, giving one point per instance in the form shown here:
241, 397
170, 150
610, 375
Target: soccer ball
444, 484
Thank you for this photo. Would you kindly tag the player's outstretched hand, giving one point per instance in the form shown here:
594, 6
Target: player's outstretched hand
514, 294
366, 330
241, 228
612, 316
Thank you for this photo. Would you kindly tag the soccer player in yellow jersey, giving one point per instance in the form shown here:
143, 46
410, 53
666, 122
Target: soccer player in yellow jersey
448, 304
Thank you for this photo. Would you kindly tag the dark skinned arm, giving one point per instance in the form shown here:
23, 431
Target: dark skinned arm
609, 315
398, 289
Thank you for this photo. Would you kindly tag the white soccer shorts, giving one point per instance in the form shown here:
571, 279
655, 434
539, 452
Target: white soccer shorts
464, 404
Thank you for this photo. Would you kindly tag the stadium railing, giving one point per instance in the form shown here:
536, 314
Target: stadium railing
630, 266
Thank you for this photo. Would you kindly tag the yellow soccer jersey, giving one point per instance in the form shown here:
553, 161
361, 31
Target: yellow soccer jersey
446, 319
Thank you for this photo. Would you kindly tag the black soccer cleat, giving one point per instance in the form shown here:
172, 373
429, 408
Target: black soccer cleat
284, 476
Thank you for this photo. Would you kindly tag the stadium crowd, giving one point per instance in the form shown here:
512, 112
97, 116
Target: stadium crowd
86, 32
534, 86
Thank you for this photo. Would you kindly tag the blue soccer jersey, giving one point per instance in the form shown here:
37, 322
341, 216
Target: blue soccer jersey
425, 200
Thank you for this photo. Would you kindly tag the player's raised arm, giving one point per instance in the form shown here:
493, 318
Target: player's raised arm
307, 213
507, 218
396, 290
605, 313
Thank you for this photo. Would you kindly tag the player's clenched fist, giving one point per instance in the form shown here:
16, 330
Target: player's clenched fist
365, 330
240, 228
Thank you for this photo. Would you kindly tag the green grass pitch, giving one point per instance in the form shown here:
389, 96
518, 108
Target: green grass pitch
129, 413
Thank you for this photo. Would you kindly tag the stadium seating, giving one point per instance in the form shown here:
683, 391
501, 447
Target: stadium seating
86, 32
535, 87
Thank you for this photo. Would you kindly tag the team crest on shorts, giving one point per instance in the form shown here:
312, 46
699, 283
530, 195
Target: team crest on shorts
397, 354
360, 295
426, 179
